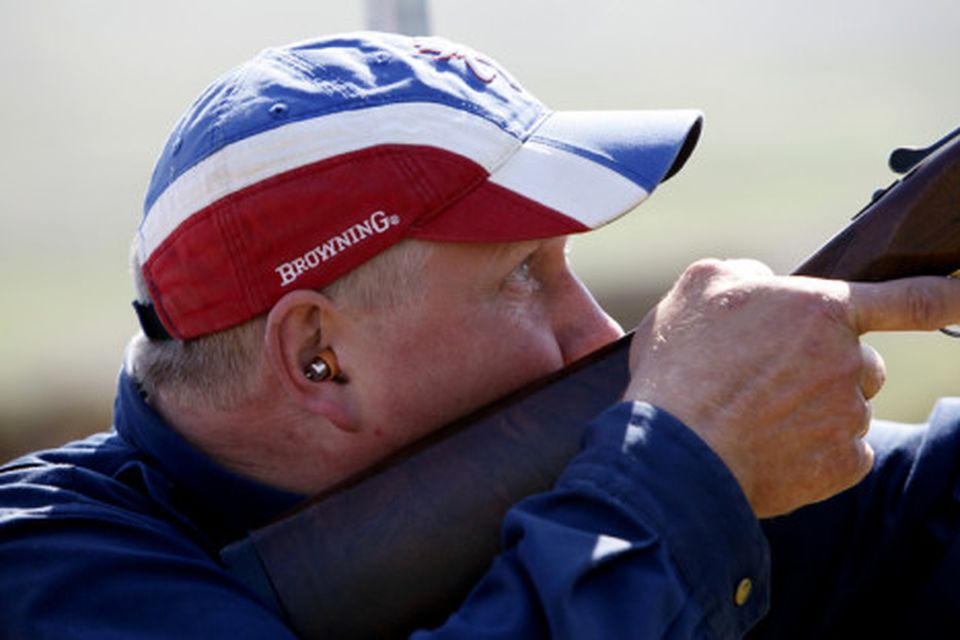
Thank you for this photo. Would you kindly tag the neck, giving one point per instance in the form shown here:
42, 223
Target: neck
271, 441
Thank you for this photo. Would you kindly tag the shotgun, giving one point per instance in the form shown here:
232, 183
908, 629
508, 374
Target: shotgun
399, 546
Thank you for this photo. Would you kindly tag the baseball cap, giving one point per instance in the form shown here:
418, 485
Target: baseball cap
298, 166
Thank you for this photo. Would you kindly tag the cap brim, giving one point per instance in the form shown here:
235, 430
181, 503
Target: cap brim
578, 171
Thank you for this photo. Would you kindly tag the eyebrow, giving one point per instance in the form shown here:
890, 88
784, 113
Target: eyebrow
517, 248
522, 248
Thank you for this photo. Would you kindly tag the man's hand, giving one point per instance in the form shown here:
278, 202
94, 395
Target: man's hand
770, 371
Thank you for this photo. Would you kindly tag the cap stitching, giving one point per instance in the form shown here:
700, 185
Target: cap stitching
233, 238
445, 203
287, 56
523, 107
415, 176
222, 218
223, 105
158, 304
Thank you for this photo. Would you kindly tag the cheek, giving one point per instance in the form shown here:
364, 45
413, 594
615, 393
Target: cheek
461, 362
505, 346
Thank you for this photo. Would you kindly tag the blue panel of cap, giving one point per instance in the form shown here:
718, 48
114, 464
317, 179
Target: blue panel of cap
355, 71
640, 145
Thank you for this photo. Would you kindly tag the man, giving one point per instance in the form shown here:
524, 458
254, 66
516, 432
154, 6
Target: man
348, 243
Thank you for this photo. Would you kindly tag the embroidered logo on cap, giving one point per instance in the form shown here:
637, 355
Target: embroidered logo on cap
484, 70
378, 222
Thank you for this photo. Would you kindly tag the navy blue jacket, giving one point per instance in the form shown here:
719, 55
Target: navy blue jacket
646, 535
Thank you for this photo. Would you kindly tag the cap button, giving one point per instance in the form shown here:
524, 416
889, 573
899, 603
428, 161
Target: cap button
742, 594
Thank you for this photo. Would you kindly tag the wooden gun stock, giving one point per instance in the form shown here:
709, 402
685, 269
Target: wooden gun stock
399, 547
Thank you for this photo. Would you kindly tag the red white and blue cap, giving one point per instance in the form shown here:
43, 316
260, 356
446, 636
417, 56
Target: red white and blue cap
298, 166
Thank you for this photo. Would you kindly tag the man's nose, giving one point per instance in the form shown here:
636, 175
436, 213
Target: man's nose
581, 324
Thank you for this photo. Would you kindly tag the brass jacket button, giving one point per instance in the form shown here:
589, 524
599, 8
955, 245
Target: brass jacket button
742, 593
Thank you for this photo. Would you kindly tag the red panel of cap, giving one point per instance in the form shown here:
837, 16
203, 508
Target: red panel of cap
301, 229
491, 213
305, 228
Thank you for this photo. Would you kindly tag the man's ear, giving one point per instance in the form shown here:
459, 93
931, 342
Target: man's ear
300, 325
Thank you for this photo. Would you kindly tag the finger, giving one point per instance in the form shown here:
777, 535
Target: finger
874, 371
867, 419
705, 272
860, 461
908, 304
865, 456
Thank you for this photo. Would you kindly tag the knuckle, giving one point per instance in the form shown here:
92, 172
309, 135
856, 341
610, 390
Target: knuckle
922, 304
860, 413
850, 364
859, 407
726, 284
880, 376
828, 308
703, 269
699, 277
851, 414
859, 463
835, 354
814, 305
733, 297
855, 465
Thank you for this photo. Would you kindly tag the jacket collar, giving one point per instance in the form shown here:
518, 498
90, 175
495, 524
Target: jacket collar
242, 504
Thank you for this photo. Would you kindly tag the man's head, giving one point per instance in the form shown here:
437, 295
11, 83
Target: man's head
402, 201
300, 165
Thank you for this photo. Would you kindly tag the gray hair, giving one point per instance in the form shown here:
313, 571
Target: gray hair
217, 370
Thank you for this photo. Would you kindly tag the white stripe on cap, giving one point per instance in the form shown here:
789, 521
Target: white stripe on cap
577, 187
261, 156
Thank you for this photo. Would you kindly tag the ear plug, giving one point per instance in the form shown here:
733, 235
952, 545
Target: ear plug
323, 367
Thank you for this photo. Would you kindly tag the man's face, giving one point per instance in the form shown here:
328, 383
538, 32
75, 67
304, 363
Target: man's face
488, 319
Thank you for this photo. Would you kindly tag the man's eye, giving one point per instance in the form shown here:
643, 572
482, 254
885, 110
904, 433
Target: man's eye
521, 279
521, 273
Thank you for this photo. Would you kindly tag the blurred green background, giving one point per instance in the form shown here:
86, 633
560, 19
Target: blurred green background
804, 101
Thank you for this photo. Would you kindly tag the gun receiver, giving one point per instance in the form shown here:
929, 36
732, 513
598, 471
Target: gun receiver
910, 228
